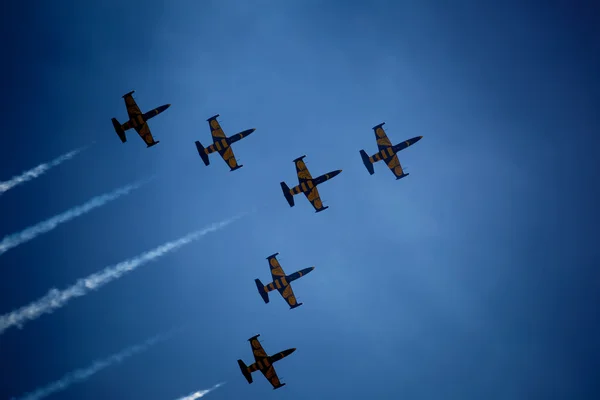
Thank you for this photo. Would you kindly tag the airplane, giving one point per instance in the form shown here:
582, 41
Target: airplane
263, 363
137, 120
387, 152
221, 144
307, 185
281, 282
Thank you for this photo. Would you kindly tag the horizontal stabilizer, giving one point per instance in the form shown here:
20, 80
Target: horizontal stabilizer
367, 162
286, 192
245, 372
130, 93
261, 290
322, 209
119, 130
403, 176
153, 143
280, 386
202, 153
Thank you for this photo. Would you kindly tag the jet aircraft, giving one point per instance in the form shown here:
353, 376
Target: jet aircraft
307, 185
137, 120
387, 152
281, 282
263, 363
221, 144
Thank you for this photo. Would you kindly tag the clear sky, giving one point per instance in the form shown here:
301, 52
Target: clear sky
474, 278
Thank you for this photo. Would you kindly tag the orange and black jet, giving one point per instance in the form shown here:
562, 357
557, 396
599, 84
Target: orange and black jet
221, 144
387, 152
263, 363
307, 185
137, 120
281, 282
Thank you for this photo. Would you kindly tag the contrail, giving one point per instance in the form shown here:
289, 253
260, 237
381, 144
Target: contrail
37, 171
200, 393
32, 232
56, 299
82, 374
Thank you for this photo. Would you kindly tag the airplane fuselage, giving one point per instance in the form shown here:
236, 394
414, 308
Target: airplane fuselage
307, 185
391, 151
285, 280
140, 120
224, 143
265, 363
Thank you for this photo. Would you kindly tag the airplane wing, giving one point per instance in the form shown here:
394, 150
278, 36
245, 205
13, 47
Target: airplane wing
315, 199
395, 166
145, 134
132, 108
257, 350
284, 288
276, 270
271, 376
221, 143
303, 176
382, 140
302, 171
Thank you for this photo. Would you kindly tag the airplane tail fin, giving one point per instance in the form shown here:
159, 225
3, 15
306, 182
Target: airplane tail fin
202, 153
287, 193
280, 386
367, 162
245, 372
119, 130
153, 143
403, 176
261, 290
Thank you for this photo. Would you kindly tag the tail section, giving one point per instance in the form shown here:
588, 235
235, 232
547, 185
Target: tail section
402, 176
280, 386
367, 162
287, 193
245, 371
261, 290
119, 130
202, 153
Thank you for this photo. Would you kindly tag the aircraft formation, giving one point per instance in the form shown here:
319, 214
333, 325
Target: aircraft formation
306, 185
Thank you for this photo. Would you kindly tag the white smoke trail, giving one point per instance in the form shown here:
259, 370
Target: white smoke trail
83, 374
56, 299
200, 393
32, 232
37, 171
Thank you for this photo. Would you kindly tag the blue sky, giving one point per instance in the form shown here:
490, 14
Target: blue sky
475, 277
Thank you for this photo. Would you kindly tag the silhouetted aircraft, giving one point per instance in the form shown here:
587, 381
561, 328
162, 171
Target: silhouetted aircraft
307, 185
221, 144
263, 363
387, 152
137, 120
281, 282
